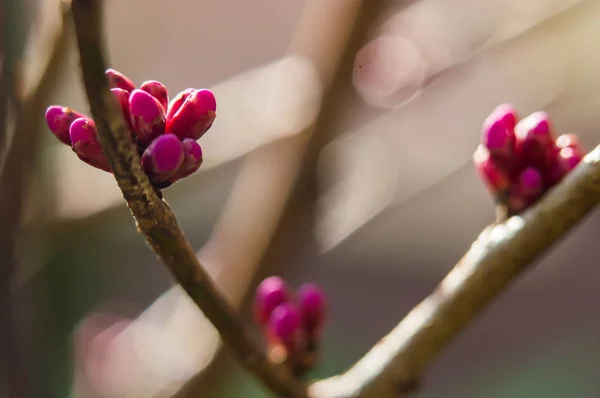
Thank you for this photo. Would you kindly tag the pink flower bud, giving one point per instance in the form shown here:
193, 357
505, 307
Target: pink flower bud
85, 143
59, 119
566, 160
147, 116
530, 182
570, 141
569, 158
122, 97
507, 113
158, 91
495, 177
498, 134
176, 102
498, 139
118, 80
285, 327
271, 292
534, 140
162, 158
312, 307
192, 160
526, 190
195, 116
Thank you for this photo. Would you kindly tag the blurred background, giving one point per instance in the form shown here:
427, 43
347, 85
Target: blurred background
341, 154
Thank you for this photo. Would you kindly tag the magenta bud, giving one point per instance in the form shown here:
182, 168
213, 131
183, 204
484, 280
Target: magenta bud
527, 189
192, 159
509, 115
493, 175
176, 102
285, 326
498, 132
118, 80
162, 158
570, 158
312, 302
270, 293
195, 116
566, 160
147, 116
158, 91
570, 141
505, 112
85, 144
530, 182
534, 141
498, 139
59, 119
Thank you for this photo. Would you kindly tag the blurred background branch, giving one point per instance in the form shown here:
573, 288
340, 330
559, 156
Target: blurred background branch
327, 38
14, 177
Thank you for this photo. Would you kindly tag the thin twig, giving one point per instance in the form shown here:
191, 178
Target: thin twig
13, 178
500, 254
153, 216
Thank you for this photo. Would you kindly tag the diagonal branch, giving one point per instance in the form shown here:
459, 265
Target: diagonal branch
499, 255
153, 216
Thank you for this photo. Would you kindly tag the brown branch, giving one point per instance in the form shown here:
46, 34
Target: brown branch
153, 216
500, 254
13, 179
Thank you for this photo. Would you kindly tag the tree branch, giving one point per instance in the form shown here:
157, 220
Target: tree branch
500, 254
153, 216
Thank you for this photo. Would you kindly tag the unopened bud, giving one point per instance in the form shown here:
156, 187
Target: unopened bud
85, 143
162, 158
147, 116
195, 115
59, 119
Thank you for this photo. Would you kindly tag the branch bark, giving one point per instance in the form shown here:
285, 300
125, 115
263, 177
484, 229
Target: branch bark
500, 254
153, 216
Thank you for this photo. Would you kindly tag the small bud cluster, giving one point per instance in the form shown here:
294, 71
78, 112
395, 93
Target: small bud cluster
292, 323
519, 160
166, 133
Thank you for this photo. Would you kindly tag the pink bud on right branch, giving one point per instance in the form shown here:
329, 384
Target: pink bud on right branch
519, 160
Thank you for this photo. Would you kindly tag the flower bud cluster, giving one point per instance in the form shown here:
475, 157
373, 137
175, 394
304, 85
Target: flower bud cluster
166, 132
519, 160
292, 323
